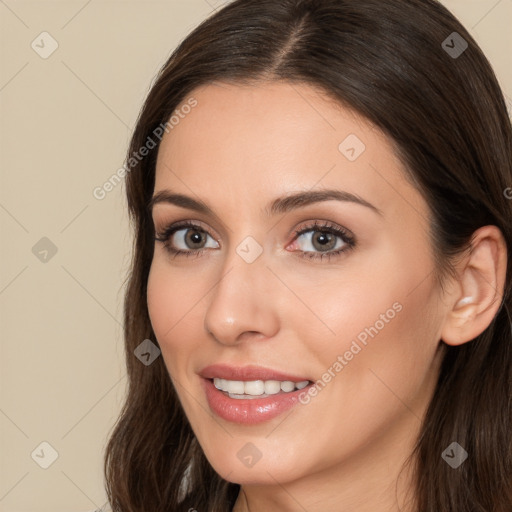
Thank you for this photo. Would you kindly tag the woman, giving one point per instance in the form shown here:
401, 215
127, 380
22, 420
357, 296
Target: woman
322, 256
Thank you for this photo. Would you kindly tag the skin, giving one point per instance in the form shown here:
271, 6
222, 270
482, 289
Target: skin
238, 149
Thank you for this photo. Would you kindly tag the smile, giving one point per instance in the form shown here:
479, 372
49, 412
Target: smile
250, 394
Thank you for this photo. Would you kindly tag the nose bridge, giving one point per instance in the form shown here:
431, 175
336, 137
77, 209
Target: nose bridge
239, 301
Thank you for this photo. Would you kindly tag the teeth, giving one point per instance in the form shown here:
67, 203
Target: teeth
287, 385
252, 387
272, 387
258, 388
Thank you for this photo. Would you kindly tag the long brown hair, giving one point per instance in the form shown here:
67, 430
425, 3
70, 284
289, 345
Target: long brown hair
447, 118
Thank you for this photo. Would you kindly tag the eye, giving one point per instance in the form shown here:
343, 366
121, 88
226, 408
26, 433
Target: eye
190, 238
329, 239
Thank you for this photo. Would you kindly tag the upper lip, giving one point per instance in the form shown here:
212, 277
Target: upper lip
247, 373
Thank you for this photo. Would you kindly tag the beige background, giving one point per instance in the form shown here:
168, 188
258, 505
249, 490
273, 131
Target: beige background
65, 123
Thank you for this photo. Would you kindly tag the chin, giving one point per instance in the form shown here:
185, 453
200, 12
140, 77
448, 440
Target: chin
231, 466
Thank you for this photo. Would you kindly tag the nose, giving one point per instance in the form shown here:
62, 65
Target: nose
243, 304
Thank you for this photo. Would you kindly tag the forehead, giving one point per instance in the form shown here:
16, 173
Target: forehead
254, 142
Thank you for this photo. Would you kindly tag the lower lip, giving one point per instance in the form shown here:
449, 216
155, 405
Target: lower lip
249, 411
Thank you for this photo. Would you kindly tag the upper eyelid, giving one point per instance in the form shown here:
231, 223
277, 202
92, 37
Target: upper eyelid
181, 224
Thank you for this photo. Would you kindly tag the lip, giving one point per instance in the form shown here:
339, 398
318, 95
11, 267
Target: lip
245, 373
248, 411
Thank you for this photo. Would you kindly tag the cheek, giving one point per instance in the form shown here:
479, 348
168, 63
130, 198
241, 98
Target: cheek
161, 303
173, 299
367, 386
387, 348
383, 329
166, 306
373, 288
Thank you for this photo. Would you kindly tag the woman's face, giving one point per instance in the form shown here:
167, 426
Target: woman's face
362, 326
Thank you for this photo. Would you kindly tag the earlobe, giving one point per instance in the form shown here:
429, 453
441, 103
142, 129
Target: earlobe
480, 288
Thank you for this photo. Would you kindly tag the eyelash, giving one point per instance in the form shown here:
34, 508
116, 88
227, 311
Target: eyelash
325, 227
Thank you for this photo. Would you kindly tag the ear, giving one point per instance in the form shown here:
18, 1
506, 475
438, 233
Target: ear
478, 293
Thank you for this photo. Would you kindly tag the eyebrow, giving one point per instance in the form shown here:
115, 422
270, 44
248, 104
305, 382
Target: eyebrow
277, 206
